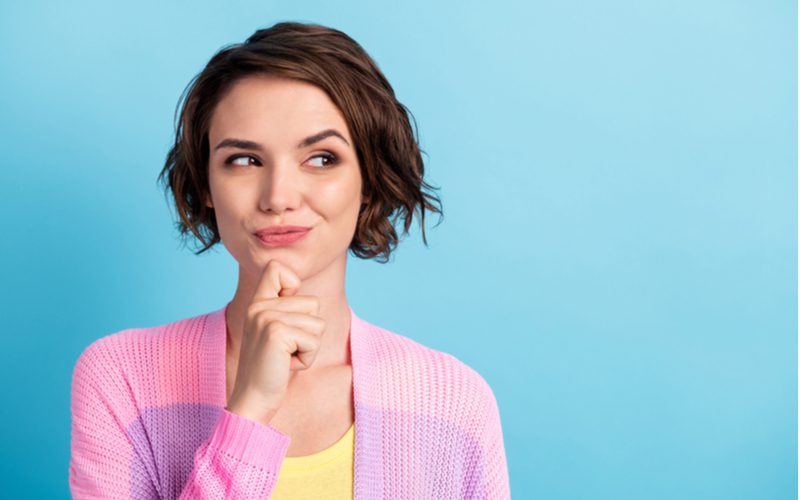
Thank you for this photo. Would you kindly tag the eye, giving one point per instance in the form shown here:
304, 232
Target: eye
235, 160
331, 159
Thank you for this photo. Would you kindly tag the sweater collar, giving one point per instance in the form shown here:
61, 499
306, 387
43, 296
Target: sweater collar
367, 392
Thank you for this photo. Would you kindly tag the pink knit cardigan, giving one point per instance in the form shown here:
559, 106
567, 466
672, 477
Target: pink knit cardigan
148, 420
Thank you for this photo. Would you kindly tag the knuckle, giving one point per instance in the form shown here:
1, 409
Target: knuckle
274, 327
268, 315
253, 310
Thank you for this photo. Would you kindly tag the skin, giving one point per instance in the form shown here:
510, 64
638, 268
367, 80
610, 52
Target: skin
279, 183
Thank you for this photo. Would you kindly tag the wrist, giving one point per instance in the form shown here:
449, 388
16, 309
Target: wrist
261, 415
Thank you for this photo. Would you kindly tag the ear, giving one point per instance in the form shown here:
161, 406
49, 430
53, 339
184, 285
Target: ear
208, 202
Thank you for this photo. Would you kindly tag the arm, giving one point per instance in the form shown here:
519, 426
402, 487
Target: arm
488, 470
496, 468
240, 459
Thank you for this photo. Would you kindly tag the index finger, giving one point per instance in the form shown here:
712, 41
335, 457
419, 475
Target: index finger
277, 280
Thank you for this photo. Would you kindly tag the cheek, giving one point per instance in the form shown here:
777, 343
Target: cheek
337, 199
228, 208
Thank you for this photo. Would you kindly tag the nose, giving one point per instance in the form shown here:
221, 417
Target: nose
279, 187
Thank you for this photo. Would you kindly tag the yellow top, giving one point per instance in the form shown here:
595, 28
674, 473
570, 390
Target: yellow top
325, 474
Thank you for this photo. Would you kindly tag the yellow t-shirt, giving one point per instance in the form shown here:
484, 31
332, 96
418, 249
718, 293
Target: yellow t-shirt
325, 474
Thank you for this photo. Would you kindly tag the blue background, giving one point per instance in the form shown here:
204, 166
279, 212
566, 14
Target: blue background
618, 256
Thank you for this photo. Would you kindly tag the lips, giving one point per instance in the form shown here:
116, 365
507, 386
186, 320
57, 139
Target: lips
280, 229
280, 236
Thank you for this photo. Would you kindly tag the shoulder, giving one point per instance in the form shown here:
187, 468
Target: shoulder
128, 366
138, 344
432, 379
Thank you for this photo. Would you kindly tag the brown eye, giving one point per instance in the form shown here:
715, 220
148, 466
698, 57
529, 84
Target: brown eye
330, 158
235, 160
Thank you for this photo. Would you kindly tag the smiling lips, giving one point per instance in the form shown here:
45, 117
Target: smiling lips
274, 236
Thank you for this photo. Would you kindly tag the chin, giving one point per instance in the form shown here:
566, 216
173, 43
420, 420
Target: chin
288, 257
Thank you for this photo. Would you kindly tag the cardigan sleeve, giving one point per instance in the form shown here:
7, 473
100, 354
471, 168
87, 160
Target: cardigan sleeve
497, 484
489, 471
240, 459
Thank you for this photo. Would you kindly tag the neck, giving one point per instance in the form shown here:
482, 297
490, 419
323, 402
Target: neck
328, 286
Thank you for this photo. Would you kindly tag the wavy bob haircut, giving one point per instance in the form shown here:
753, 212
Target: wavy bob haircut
389, 157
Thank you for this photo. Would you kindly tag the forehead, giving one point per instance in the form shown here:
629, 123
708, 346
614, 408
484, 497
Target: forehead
267, 106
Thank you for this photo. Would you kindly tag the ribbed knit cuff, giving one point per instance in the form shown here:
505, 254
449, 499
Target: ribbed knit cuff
249, 441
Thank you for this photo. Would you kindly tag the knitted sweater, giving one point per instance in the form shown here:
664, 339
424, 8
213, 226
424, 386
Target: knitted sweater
149, 420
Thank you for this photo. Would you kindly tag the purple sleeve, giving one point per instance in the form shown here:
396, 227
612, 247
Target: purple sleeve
240, 459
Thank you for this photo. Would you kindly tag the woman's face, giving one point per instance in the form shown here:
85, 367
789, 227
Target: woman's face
285, 176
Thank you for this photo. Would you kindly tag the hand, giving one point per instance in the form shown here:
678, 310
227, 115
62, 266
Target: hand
281, 334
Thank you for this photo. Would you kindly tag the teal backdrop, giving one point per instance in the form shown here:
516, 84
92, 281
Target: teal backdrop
617, 258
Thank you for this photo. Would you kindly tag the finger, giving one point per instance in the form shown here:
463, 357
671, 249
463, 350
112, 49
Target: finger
302, 320
300, 344
308, 304
276, 280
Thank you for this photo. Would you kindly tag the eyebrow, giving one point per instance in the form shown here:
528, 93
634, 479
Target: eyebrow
308, 141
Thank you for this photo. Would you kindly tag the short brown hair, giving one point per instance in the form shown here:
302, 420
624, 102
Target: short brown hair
388, 153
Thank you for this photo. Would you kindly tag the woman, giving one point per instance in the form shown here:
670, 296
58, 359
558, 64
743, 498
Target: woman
291, 149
